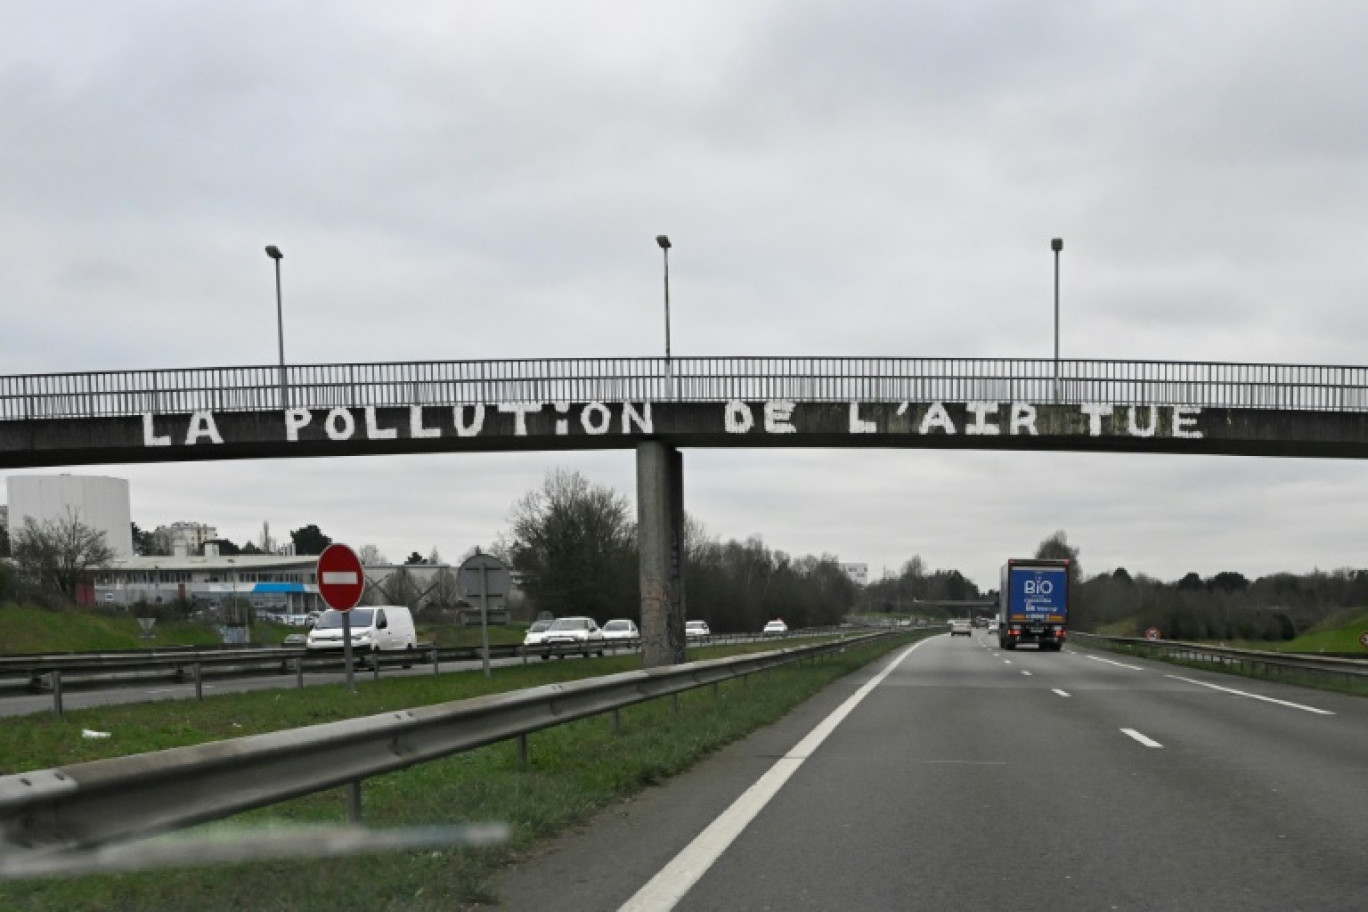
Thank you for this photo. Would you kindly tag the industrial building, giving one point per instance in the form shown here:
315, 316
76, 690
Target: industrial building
100, 502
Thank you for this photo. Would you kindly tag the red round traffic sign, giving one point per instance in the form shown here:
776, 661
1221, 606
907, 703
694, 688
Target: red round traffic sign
341, 579
1363, 639
1152, 633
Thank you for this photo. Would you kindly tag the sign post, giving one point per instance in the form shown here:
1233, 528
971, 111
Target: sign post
341, 581
483, 575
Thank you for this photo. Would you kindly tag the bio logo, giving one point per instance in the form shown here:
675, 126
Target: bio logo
1039, 587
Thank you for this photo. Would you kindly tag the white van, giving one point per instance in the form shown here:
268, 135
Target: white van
374, 628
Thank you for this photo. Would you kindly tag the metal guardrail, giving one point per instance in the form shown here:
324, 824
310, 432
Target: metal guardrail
809, 379
71, 809
1252, 660
93, 667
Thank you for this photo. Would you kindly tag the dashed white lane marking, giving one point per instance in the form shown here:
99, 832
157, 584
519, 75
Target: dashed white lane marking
1026, 673
1117, 664
1148, 742
1252, 696
1062, 693
673, 881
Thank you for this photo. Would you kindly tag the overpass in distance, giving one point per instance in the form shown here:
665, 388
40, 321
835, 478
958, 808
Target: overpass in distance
659, 406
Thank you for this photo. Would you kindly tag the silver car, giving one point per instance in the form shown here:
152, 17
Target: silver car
621, 629
536, 634
580, 632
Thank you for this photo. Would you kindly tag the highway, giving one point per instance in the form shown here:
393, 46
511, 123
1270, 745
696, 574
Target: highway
958, 776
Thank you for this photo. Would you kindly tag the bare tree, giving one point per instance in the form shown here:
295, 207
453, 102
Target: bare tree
371, 557
574, 545
55, 556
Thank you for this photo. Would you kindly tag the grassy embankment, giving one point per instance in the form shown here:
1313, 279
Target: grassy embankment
29, 630
574, 770
1338, 634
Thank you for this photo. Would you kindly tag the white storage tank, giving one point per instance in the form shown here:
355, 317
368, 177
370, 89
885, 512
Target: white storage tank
100, 502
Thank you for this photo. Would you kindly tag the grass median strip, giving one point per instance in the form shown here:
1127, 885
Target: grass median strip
573, 770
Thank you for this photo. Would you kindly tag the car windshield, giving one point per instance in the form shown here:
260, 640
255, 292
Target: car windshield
570, 624
332, 620
539, 626
618, 625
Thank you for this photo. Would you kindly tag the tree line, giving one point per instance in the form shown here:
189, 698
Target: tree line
572, 545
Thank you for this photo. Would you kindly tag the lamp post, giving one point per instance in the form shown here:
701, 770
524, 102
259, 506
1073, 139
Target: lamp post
664, 242
274, 253
1057, 244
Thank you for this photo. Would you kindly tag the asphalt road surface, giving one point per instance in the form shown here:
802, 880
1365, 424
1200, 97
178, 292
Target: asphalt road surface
957, 776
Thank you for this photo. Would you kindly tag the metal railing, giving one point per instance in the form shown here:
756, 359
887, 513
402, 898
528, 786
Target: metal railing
54, 672
76, 808
806, 379
1222, 657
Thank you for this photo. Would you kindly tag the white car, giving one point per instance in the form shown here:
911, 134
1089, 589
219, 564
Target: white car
696, 629
536, 634
960, 626
583, 632
775, 627
621, 629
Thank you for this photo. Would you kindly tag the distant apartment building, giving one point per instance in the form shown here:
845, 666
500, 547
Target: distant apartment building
183, 537
99, 502
858, 573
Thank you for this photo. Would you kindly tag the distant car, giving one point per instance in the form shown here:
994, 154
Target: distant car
536, 634
621, 629
296, 639
583, 632
775, 627
696, 629
960, 626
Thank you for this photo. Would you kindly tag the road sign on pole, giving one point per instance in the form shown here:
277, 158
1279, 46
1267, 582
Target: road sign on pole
1153, 634
341, 581
483, 575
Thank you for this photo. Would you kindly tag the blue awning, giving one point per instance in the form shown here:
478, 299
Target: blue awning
279, 587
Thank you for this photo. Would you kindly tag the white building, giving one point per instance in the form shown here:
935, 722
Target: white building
100, 502
184, 537
858, 573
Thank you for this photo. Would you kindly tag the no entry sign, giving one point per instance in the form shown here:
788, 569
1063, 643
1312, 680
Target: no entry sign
341, 580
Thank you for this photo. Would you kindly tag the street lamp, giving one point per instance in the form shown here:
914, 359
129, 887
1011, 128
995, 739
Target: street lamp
664, 242
274, 253
1057, 244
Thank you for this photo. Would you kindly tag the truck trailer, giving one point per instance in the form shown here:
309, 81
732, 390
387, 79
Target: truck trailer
1033, 603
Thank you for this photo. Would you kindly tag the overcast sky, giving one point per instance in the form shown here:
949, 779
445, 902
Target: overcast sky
481, 180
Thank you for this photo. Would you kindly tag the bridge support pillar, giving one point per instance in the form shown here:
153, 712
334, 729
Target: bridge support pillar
660, 537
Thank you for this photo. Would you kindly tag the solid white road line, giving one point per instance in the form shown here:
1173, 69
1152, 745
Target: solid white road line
1241, 693
1117, 664
1148, 742
674, 880
1062, 693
